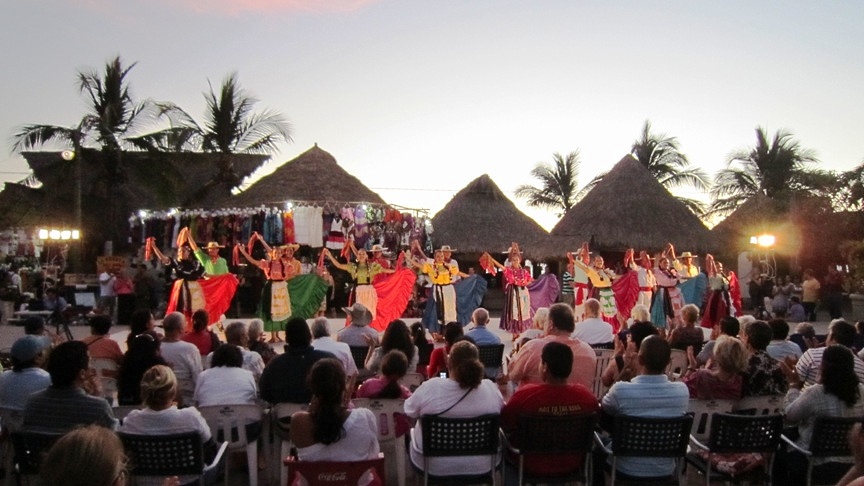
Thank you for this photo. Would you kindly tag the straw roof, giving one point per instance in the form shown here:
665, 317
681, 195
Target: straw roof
481, 218
22, 206
629, 208
313, 176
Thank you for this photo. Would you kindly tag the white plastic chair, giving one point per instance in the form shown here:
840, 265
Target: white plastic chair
677, 365
228, 423
281, 423
109, 383
703, 411
604, 357
412, 380
385, 410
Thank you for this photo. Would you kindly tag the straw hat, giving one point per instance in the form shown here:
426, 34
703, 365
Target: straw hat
446, 248
360, 315
290, 246
687, 254
377, 247
213, 244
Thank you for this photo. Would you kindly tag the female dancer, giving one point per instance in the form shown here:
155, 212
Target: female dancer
719, 302
516, 317
441, 275
581, 289
362, 273
186, 293
601, 280
279, 267
667, 303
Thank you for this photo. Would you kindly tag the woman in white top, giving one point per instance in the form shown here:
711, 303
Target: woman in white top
161, 416
464, 394
328, 431
226, 382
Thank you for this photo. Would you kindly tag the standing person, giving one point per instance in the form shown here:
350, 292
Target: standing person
601, 280
219, 285
554, 396
567, 291
581, 287
362, 273
834, 292
810, 294
124, 289
668, 301
683, 265
279, 268
516, 316
186, 293
107, 296
209, 257
719, 302
443, 293
644, 280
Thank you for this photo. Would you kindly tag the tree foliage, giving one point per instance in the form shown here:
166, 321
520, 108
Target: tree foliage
558, 187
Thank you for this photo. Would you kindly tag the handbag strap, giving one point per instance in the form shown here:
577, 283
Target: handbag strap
451, 406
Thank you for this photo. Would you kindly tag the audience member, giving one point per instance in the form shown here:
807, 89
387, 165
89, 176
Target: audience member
284, 378
650, 394
322, 341
593, 330
226, 382
257, 342
624, 366
480, 334
810, 294
396, 336
688, 333
728, 326
796, 311
525, 366
453, 331
764, 376
780, 348
539, 324
65, 405
204, 339
553, 396
143, 353
724, 380
839, 332
99, 342
183, 358
463, 394
26, 376
357, 332
236, 334
394, 367
141, 321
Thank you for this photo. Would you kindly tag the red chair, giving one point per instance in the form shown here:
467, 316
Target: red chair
334, 473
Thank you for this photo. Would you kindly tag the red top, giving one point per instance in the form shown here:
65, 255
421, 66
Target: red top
437, 361
201, 340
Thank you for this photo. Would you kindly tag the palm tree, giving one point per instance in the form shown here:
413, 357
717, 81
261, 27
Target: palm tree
230, 127
558, 184
777, 169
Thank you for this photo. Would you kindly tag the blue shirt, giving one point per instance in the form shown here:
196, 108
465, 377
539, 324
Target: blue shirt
647, 396
483, 336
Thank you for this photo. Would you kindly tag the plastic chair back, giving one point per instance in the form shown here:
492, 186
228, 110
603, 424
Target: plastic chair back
831, 436
677, 364
604, 357
385, 410
281, 425
228, 423
761, 405
703, 411
745, 433
412, 380
474, 436
332, 473
491, 355
651, 436
168, 455
30, 448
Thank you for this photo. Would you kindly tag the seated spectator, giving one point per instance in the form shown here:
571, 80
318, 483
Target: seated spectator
805, 337
141, 321
650, 394
394, 366
463, 394
396, 336
624, 367
764, 376
99, 342
438, 359
203, 338
226, 382
859, 337
257, 342
418, 334
35, 326
53, 301
322, 341
796, 312
525, 366
593, 330
838, 394
553, 396
357, 332
539, 323
284, 378
839, 332
26, 376
780, 348
161, 415
329, 431
688, 334
65, 404
480, 334
143, 353
724, 380
236, 334
418, 337
728, 326
183, 358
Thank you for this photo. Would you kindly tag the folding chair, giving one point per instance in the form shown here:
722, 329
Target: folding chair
385, 410
281, 425
359, 354
553, 436
171, 455
332, 473
11, 420
109, 379
30, 448
761, 405
475, 436
703, 411
492, 356
830, 439
732, 433
649, 437
229, 423
604, 357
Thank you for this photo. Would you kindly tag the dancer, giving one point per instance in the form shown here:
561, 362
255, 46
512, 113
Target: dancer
719, 303
212, 262
636, 287
667, 303
683, 265
279, 268
186, 293
516, 316
601, 279
362, 273
443, 293
581, 289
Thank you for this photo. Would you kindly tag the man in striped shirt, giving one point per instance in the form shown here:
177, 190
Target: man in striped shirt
839, 332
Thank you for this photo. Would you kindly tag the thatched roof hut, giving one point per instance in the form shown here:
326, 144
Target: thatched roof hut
22, 206
629, 208
481, 218
313, 176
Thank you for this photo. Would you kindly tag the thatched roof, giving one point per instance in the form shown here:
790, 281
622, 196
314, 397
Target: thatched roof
628, 208
22, 206
313, 176
757, 215
481, 218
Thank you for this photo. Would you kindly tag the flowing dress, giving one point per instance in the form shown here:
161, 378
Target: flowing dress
667, 301
517, 313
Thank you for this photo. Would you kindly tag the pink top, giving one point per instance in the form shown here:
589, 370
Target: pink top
519, 277
704, 385
372, 388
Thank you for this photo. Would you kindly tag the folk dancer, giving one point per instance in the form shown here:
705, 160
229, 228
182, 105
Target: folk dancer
516, 317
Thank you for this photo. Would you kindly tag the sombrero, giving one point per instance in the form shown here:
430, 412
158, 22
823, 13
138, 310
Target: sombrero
213, 244
290, 246
378, 248
687, 254
446, 248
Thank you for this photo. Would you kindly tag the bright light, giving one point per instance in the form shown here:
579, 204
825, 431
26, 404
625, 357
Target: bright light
766, 241
76, 235
57, 234
754, 240
67, 154
54, 234
43, 234
65, 235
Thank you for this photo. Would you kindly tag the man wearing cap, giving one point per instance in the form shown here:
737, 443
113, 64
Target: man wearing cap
357, 332
212, 262
26, 377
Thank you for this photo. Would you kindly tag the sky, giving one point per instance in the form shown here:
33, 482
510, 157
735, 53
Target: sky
419, 98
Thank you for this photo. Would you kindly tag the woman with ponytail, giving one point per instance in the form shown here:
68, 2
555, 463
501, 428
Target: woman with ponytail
463, 394
394, 366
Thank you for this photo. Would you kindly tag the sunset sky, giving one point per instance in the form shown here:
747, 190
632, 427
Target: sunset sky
418, 98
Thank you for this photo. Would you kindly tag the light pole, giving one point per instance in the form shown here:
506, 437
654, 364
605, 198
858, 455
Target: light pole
70, 155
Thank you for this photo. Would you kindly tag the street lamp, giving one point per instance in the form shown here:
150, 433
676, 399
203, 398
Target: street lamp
764, 244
